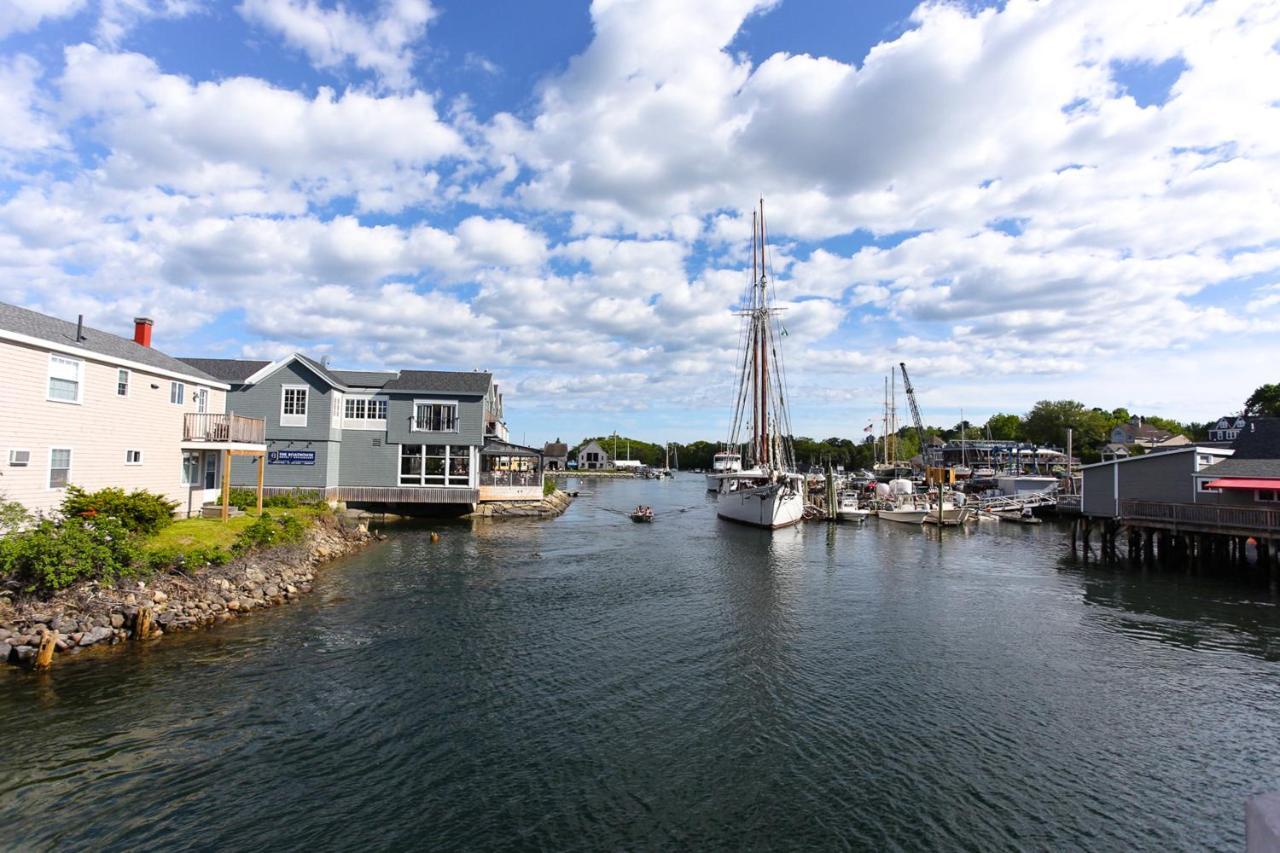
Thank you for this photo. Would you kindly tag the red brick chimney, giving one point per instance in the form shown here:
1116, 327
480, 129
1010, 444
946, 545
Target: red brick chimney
142, 331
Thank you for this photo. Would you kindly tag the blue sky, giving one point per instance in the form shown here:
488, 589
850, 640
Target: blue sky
1022, 200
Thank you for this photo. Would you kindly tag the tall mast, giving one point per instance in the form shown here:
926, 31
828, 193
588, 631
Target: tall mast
893, 412
764, 352
755, 350
884, 421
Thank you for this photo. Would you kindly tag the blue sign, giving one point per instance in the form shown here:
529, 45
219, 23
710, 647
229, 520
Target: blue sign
291, 457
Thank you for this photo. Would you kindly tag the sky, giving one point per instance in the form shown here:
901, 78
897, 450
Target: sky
1021, 200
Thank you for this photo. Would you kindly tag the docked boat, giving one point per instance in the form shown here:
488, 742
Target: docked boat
949, 516
1022, 516
723, 464
848, 509
905, 512
771, 492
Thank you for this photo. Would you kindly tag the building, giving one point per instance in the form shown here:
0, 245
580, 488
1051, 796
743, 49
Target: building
1251, 477
591, 457
88, 408
555, 455
1227, 428
1168, 477
412, 437
1135, 432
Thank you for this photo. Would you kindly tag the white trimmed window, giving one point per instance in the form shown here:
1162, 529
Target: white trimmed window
122, 383
133, 457
59, 467
201, 396
435, 465
364, 413
293, 406
64, 379
190, 469
435, 416
177, 393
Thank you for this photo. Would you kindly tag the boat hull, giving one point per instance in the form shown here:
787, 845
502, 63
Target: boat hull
770, 507
904, 516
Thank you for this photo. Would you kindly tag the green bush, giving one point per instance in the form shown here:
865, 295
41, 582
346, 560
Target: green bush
13, 516
268, 532
247, 499
548, 486
55, 554
242, 499
139, 511
167, 559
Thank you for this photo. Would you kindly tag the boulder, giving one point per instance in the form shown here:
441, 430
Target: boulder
117, 620
96, 635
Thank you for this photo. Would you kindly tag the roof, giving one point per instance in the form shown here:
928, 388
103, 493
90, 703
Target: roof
1260, 439
1243, 483
62, 334
1234, 467
364, 378
226, 369
1216, 451
494, 447
555, 448
442, 381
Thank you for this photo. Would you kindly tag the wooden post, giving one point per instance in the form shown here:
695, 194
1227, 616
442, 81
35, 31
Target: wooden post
226, 484
44, 655
142, 627
262, 464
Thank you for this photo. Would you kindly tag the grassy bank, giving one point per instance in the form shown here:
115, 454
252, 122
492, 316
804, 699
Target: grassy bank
192, 535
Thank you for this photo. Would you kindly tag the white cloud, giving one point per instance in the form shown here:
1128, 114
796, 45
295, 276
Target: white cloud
118, 17
25, 123
333, 37
17, 16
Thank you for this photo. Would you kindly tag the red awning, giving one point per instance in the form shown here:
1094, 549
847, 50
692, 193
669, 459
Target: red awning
1243, 483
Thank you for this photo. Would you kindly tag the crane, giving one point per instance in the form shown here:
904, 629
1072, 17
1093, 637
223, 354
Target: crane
915, 410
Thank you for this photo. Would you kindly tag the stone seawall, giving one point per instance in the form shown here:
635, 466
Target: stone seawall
552, 505
91, 614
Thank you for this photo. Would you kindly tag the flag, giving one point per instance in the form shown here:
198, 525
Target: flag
867, 428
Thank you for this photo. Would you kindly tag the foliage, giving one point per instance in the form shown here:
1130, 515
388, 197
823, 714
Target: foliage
173, 557
548, 486
55, 554
1265, 400
247, 499
13, 516
139, 511
1004, 427
268, 531
1048, 421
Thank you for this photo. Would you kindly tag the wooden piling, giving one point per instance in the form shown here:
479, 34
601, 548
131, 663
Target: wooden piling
44, 654
142, 627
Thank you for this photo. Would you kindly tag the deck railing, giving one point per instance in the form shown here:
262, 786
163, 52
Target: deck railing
510, 478
215, 427
1202, 515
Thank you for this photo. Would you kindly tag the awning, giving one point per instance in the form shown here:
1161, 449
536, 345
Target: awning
1243, 483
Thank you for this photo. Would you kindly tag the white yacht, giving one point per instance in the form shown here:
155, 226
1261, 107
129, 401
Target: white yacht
723, 464
771, 492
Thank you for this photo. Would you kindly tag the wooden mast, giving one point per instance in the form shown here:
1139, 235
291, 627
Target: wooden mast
755, 350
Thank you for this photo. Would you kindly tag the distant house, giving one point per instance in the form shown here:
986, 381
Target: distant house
88, 408
1251, 477
1112, 450
1135, 432
555, 455
592, 457
1168, 477
1227, 428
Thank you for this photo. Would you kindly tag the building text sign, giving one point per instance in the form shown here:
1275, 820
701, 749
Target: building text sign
291, 457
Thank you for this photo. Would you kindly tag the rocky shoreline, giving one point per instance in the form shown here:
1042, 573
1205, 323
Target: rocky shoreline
93, 615
552, 505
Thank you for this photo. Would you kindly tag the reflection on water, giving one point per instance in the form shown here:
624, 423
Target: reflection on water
590, 683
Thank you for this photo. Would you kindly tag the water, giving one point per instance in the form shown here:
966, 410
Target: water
589, 683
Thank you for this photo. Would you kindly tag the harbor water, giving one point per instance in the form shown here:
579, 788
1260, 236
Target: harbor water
587, 683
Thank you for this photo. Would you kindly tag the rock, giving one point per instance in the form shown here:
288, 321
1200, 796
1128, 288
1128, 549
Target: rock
271, 591
22, 655
101, 621
117, 620
159, 597
131, 600
233, 604
96, 635
5, 633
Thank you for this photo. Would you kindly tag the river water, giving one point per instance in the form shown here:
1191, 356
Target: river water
589, 683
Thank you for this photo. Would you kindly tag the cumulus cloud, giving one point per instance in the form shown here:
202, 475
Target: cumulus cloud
18, 16
333, 37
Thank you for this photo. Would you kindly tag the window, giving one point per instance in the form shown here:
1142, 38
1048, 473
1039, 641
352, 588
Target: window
1204, 487
59, 467
202, 400
19, 458
365, 412
190, 469
133, 457
435, 417
64, 379
1268, 495
122, 383
211, 470
293, 406
177, 393
435, 465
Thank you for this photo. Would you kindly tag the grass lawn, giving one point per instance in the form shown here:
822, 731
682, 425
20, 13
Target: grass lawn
189, 534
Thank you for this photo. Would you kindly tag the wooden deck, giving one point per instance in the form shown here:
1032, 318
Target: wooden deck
212, 427
408, 495
1201, 518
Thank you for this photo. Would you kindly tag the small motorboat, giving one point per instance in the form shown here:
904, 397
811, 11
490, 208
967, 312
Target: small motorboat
1022, 516
642, 514
848, 510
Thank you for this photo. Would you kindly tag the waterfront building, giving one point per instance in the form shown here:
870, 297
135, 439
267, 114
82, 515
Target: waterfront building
1251, 477
555, 455
92, 409
1168, 477
592, 457
1227, 428
1139, 434
412, 437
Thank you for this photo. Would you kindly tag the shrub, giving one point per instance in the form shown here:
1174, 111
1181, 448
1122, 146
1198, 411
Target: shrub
13, 516
139, 511
268, 532
247, 499
167, 559
548, 486
242, 499
55, 554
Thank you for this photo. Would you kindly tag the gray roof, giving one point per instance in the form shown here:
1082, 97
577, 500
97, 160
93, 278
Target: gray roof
1236, 467
36, 325
1260, 439
363, 378
234, 370
442, 381
555, 448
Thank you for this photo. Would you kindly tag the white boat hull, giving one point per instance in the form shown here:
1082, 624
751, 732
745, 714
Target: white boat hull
771, 506
853, 514
905, 516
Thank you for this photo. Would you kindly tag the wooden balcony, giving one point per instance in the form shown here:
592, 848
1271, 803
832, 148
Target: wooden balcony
223, 429
1202, 518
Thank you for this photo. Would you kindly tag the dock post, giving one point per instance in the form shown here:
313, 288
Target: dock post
44, 655
142, 627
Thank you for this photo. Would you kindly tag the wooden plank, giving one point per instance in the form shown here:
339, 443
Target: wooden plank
44, 655
226, 484
262, 464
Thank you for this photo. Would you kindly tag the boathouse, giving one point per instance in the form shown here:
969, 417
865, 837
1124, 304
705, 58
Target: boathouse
555, 455
407, 439
592, 457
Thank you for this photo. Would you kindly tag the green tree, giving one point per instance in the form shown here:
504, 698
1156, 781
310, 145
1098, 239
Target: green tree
1003, 427
1265, 400
1048, 421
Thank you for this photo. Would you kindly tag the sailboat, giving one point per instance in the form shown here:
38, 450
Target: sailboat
770, 492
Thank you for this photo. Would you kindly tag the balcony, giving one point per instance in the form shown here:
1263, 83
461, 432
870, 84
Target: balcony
223, 429
1202, 518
